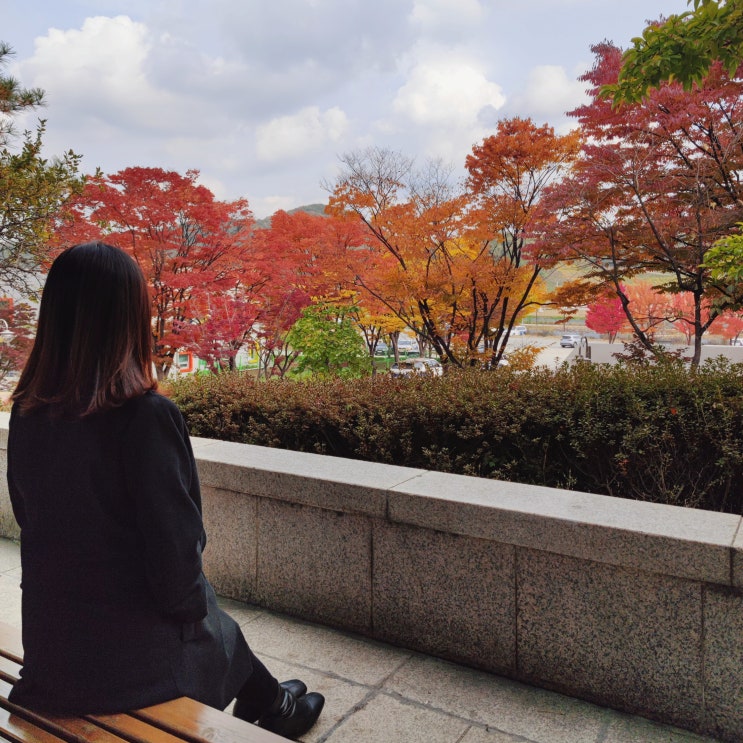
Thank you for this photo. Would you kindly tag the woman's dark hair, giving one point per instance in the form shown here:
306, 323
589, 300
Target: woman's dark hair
92, 349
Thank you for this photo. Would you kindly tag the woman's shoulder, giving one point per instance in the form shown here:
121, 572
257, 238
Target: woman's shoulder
152, 423
152, 406
152, 400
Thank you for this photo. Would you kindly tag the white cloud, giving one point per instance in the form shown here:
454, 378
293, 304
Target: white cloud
261, 97
287, 137
100, 72
550, 93
445, 91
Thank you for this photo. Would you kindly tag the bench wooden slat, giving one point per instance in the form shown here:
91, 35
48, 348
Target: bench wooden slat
78, 728
73, 729
133, 729
175, 721
123, 725
19, 730
198, 723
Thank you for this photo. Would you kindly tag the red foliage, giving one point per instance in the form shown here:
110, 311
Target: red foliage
189, 245
15, 348
730, 326
305, 258
656, 185
606, 316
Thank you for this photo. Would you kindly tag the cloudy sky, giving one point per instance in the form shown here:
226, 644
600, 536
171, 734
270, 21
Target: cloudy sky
262, 96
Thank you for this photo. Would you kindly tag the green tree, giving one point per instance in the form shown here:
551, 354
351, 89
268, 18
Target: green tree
328, 343
13, 98
682, 48
724, 260
32, 187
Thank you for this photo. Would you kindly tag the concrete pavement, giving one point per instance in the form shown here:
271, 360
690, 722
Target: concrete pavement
377, 693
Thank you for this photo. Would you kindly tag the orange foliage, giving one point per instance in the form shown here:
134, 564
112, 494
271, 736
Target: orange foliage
450, 263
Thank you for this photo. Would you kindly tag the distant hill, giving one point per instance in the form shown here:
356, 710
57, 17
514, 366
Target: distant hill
318, 209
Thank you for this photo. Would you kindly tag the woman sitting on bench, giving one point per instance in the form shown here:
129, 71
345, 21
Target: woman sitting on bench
117, 613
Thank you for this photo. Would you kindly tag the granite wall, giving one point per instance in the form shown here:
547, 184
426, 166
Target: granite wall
632, 605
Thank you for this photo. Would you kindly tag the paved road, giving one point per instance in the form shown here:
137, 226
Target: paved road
551, 354
602, 352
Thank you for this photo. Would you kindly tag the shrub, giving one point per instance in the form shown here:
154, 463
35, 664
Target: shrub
653, 433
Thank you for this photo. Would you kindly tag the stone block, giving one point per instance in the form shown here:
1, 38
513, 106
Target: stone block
332, 483
230, 557
445, 594
623, 638
723, 663
652, 537
315, 564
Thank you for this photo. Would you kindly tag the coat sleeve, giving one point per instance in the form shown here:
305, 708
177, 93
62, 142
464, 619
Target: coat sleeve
162, 483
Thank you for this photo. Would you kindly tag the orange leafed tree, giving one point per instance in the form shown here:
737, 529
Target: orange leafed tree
650, 307
436, 255
189, 245
508, 173
412, 223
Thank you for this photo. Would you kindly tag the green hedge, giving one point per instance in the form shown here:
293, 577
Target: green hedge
656, 433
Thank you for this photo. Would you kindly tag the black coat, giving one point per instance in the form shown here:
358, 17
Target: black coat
117, 613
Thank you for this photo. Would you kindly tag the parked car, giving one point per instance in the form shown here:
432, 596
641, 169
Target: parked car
489, 363
382, 349
419, 365
570, 340
407, 346
434, 365
518, 330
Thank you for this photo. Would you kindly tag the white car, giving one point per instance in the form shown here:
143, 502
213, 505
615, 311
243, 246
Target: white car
570, 340
518, 330
407, 346
433, 365
419, 365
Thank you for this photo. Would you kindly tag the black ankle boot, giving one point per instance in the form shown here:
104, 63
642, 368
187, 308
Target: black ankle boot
290, 716
245, 709
295, 687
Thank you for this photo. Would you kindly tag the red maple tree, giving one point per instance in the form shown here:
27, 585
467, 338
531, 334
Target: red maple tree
606, 316
657, 183
189, 245
730, 326
305, 259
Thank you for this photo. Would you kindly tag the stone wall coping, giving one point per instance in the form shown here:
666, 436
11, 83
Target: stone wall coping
683, 542
671, 540
334, 483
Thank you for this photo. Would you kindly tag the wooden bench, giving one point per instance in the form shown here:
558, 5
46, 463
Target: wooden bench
177, 721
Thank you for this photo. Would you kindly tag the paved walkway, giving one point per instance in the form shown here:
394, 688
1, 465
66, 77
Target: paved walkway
377, 693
